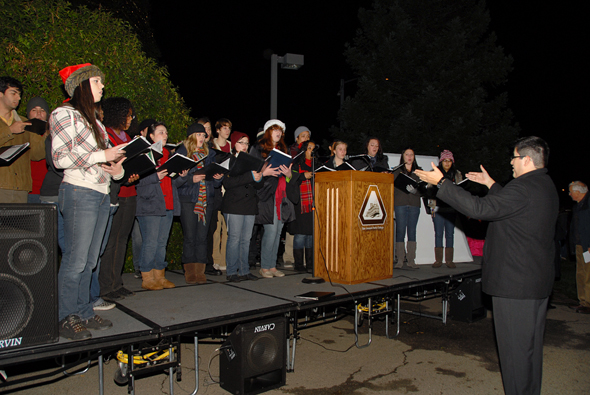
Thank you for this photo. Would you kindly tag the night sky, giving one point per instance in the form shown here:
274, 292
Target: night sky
215, 52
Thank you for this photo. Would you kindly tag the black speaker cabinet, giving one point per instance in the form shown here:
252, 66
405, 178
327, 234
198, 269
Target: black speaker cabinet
466, 301
253, 359
28, 275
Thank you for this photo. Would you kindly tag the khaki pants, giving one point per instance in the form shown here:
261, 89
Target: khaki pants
582, 277
288, 257
13, 196
220, 240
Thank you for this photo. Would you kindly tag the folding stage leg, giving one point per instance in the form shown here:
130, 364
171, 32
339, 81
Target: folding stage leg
171, 369
100, 375
196, 365
356, 322
387, 320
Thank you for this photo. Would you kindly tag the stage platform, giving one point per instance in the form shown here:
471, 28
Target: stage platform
194, 310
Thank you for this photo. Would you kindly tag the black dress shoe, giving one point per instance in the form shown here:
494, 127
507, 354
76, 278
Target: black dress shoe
125, 292
249, 276
113, 296
212, 271
234, 278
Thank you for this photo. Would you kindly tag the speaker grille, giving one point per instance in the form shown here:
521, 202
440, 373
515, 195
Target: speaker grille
16, 306
262, 353
20, 224
27, 257
28, 274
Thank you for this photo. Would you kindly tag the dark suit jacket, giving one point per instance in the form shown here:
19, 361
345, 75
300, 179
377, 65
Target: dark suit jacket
518, 253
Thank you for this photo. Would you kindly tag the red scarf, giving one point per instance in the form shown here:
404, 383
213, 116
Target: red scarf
166, 183
280, 193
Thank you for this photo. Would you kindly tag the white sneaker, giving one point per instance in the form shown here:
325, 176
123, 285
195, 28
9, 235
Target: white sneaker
102, 305
219, 267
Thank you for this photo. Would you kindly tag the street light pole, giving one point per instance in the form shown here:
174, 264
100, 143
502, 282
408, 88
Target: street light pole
274, 61
289, 61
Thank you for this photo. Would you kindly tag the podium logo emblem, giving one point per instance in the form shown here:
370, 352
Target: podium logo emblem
372, 214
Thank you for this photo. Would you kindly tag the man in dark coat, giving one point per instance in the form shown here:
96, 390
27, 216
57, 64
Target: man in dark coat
518, 268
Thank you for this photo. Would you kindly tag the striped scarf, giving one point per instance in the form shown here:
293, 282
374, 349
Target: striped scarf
305, 189
201, 204
306, 196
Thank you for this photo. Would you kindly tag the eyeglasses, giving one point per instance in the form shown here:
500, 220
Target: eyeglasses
246, 144
517, 157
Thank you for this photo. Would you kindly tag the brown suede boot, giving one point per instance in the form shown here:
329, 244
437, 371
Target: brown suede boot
438, 257
161, 280
200, 273
411, 255
399, 255
190, 273
148, 282
449, 251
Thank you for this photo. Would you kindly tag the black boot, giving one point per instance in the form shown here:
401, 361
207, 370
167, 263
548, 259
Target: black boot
298, 255
309, 260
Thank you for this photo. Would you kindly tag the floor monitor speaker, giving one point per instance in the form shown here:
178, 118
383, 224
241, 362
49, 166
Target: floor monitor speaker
253, 359
466, 301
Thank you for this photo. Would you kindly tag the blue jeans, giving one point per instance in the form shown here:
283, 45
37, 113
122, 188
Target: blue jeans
444, 222
94, 284
239, 232
155, 230
194, 242
406, 218
269, 246
302, 241
85, 213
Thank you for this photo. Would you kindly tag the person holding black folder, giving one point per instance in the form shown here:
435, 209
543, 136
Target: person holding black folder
443, 215
239, 207
118, 117
196, 196
275, 199
157, 204
339, 148
373, 148
407, 210
79, 145
302, 227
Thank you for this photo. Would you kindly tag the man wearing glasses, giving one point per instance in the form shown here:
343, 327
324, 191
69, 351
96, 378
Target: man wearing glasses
517, 268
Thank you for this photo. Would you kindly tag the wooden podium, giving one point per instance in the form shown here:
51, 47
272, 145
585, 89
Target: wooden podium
353, 241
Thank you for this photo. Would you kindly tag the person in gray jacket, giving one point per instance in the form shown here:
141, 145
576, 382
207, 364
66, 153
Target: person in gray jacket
580, 237
518, 270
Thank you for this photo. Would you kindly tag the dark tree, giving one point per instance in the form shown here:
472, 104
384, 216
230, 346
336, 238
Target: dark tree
134, 12
431, 77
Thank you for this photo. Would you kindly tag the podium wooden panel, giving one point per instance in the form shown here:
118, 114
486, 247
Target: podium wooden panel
346, 249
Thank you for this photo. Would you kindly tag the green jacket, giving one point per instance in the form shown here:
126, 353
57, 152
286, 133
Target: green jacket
17, 176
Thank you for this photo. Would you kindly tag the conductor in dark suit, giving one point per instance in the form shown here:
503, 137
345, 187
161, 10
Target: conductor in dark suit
518, 268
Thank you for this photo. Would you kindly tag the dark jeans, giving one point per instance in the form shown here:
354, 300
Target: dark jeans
94, 282
155, 230
113, 258
444, 223
194, 245
406, 219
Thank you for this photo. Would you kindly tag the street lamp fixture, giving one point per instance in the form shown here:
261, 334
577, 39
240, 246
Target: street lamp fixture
290, 62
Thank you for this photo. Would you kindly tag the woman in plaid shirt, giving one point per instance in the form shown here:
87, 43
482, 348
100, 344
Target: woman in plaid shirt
79, 146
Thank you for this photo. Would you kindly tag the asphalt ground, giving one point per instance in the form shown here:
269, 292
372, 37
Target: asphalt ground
427, 357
